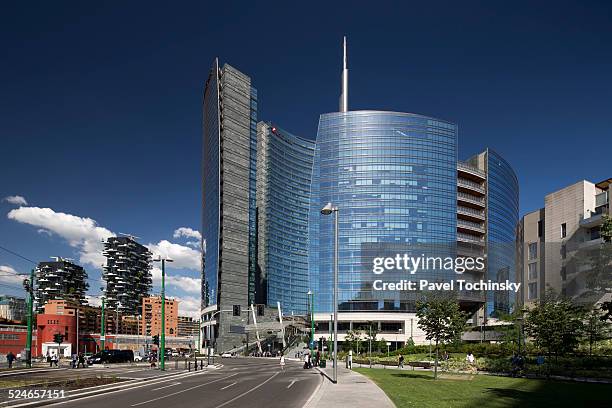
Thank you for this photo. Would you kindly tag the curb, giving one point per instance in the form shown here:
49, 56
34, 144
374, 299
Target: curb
102, 389
318, 394
29, 371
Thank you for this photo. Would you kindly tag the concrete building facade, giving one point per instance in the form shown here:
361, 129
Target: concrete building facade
228, 203
152, 316
556, 241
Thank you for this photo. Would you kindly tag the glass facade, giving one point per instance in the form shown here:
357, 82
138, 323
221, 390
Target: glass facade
210, 188
393, 177
502, 223
284, 166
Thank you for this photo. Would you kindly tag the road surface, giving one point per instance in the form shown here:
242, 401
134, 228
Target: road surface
240, 382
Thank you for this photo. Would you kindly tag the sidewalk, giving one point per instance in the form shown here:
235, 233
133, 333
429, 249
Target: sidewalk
353, 389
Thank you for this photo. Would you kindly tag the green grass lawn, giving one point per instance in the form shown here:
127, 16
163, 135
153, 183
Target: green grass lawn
419, 389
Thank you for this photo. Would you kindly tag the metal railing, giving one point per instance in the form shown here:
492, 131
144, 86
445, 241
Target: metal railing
470, 184
470, 197
470, 211
470, 224
466, 167
469, 238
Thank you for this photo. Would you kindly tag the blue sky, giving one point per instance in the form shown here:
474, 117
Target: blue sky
100, 110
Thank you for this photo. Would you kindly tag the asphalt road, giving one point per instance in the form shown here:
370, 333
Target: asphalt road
240, 382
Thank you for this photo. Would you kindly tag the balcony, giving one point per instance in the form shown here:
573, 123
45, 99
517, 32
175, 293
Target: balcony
471, 171
470, 185
471, 226
470, 199
470, 213
471, 239
593, 220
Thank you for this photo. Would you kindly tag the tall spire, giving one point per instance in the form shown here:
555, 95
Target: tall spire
344, 94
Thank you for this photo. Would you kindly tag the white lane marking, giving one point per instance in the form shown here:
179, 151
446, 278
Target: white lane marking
165, 386
181, 391
227, 386
292, 382
129, 386
247, 392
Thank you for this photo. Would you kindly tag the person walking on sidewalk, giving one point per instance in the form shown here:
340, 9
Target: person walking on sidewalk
81, 360
282, 362
400, 361
10, 357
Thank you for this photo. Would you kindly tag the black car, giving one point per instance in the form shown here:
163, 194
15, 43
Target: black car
111, 356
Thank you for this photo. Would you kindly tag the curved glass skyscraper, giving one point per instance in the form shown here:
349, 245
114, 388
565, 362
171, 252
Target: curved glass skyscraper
394, 178
284, 165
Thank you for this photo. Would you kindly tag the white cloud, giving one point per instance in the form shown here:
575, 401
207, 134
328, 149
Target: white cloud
184, 283
189, 306
81, 233
9, 275
183, 257
187, 232
92, 300
193, 244
16, 200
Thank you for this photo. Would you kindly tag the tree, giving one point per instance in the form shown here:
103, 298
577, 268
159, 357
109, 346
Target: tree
605, 231
352, 339
595, 329
441, 320
555, 324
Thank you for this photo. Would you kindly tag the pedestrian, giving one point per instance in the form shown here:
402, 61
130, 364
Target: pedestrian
55, 360
81, 360
401, 361
10, 357
73, 361
282, 362
49, 359
470, 358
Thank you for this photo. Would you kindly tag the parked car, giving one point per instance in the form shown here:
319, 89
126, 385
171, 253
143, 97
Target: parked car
111, 356
226, 355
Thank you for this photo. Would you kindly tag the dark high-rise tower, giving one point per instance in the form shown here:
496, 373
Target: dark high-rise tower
127, 274
228, 202
60, 279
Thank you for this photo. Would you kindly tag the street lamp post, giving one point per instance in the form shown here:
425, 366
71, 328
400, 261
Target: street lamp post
520, 322
162, 341
102, 326
328, 210
399, 331
311, 300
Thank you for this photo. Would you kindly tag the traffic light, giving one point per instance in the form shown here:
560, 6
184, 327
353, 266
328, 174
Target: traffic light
236, 310
156, 340
58, 338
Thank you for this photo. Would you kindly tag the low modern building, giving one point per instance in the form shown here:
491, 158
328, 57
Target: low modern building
559, 241
187, 326
127, 274
13, 308
152, 316
61, 279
